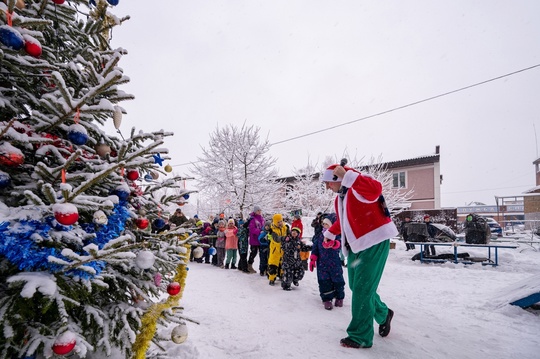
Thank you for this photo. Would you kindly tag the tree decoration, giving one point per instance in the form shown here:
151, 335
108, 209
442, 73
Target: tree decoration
168, 168
212, 251
157, 279
11, 37
103, 149
148, 177
100, 217
77, 134
59, 2
158, 223
154, 175
145, 259
132, 175
186, 196
173, 288
32, 46
113, 2
122, 191
158, 159
142, 223
179, 333
65, 213
19, 4
10, 155
198, 252
5, 179
117, 117
64, 344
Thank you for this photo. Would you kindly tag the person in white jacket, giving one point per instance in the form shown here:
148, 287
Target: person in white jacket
365, 227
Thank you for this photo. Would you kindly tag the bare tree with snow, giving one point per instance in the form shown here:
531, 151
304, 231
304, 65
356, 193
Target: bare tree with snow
235, 172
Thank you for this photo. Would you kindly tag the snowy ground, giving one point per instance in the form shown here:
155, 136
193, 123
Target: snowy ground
441, 311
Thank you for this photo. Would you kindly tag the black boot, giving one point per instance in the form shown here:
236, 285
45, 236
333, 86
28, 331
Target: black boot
233, 266
226, 266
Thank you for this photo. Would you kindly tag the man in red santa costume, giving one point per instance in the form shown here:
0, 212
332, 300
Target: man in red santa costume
365, 227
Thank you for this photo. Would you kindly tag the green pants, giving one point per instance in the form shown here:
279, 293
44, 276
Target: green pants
365, 269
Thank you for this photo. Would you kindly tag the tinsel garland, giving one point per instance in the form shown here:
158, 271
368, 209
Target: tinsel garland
150, 318
21, 250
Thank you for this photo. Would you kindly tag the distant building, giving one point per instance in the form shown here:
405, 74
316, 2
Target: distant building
421, 174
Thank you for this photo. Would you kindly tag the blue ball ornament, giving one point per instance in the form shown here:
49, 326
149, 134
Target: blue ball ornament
148, 177
158, 223
11, 37
186, 196
113, 2
77, 134
122, 193
5, 180
212, 251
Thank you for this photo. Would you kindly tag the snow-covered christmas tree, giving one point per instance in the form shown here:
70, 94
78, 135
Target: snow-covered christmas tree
81, 253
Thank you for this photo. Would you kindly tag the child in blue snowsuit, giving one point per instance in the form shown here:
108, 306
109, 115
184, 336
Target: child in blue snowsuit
263, 249
329, 269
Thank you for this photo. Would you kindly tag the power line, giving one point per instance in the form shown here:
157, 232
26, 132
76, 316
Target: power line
396, 108
405, 106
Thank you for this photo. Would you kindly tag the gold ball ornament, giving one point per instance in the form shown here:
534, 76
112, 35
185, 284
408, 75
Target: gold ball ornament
179, 334
117, 117
20, 4
168, 168
103, 149
198, 252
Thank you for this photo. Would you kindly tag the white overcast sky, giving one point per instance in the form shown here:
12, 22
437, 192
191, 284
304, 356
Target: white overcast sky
293, 67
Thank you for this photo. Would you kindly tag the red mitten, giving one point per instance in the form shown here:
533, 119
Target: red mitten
336, 245
328, 244
312, 262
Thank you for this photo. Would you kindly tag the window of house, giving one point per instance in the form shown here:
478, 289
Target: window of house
398, 180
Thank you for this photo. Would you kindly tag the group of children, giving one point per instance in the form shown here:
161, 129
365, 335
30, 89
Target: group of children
282, 254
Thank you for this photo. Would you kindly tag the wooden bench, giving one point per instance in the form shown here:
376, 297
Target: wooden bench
489, 260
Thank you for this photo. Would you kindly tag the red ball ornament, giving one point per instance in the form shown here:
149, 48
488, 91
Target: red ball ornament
132, 175
64, 344
173, 288
63, 349
142, 223
32, 46
11, 159
59, 2
65, 213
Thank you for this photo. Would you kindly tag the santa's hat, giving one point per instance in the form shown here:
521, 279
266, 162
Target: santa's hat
328, 174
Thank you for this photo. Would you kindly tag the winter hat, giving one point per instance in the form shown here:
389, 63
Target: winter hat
327, 221
426, 216
328, 174
296, 229
199, 223
256, 208
230, 221
196, 216
276, 218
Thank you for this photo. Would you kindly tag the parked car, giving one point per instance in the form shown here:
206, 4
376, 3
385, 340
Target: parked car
494, 226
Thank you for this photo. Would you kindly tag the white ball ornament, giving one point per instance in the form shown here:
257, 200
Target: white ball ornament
117, 117
100, 218
179, 334
198, 252
145, 259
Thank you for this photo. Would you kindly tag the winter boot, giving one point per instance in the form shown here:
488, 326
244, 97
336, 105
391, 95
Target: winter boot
233, 266
339, 303
227, 266
384, 328
296, 283
328, 305
250, 269
349, 343
272, 282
